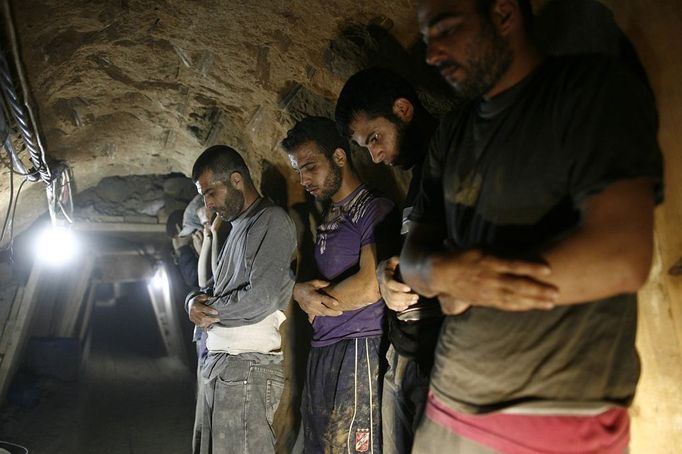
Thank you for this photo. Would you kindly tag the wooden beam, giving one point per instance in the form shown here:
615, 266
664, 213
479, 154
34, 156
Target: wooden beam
89, 304
17, 328
75, 299
111, 227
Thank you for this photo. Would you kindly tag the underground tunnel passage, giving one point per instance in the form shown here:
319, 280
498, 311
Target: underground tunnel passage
106, 107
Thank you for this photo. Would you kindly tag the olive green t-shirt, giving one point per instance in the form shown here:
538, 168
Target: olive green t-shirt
508, 175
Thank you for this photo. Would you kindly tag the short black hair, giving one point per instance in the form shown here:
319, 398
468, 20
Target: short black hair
320, 130
222, 161
525, 6
174, 223
372, 92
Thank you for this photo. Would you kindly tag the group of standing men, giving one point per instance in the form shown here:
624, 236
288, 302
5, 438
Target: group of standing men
526, 233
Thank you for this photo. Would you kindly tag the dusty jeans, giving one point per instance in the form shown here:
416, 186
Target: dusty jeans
242, 393
403, 401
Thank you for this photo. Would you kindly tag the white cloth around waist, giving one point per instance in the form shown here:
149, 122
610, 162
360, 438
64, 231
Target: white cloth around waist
261, 337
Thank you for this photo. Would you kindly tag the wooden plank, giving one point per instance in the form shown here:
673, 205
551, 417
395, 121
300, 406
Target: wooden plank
75, 299
17, 330
167, 319
90, 303
159, 312
118, 227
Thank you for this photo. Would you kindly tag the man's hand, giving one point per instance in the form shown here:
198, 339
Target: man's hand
215, 225
181, 241
396, 295
200, 314
475, 278
313, 302
198, 240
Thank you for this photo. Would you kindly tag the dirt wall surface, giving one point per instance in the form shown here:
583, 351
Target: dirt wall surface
132, 87
656, 32
143, 86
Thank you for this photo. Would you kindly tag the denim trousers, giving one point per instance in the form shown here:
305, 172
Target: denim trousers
241, 394
403, 401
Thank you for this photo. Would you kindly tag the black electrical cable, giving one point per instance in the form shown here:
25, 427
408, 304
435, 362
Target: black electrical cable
10, 216
11, 222
33, 144
22, 122
9, 205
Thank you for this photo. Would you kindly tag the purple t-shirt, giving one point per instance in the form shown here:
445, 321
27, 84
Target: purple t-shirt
348, 226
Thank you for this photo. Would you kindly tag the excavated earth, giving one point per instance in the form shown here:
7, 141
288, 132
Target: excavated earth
135, 87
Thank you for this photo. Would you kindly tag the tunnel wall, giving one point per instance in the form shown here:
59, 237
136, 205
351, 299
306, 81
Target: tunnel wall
655, 31
655, 28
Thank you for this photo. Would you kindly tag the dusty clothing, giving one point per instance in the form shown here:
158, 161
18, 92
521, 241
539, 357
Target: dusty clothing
410, 358
254, 278
415, 339
342, 402
402, 402
348, 226
253, 285
595, 431
508, 176
241, 395
341, 398
259, 337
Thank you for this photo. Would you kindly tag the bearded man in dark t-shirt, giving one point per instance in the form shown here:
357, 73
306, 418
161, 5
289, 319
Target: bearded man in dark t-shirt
380, 111
543, 185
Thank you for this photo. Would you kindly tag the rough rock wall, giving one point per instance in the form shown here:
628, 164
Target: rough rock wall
656, 32
142, 86
654, 29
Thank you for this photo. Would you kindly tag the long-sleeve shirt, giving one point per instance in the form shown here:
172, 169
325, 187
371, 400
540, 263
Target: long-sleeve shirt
254, 278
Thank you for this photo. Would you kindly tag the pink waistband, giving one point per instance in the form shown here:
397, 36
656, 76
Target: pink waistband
605, 433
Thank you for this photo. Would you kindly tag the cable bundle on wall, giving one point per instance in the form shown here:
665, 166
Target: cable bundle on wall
17, 120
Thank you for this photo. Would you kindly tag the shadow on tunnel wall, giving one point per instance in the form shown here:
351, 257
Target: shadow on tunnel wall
584, 26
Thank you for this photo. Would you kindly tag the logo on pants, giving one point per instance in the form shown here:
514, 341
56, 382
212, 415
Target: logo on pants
362, 440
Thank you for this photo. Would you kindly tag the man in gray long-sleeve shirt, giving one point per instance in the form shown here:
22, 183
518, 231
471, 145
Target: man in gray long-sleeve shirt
242, 375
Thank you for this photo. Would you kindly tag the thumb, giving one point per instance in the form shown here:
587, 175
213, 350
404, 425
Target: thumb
392, 262
318, 283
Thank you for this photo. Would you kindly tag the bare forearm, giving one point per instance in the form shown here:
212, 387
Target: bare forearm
360, 289
215, 252
354, 292
595, 264
204, 271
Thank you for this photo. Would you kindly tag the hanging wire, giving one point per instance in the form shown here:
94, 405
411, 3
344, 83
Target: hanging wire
11, 214
9, 205
11, 224
19, 112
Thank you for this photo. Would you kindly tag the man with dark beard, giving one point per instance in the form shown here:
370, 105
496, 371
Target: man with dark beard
543, 185
242, 375
381, 112
341, 395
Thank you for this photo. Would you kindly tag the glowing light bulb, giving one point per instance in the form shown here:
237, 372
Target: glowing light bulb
56, 246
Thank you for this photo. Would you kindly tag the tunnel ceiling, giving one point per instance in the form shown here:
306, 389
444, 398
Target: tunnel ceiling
143, 86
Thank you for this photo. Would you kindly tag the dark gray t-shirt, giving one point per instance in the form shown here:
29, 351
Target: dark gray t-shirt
508, 176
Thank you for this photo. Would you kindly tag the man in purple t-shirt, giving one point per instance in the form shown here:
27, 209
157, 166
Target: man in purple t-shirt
341, 398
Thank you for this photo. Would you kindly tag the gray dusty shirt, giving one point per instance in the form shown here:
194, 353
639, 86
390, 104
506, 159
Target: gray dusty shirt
254, 277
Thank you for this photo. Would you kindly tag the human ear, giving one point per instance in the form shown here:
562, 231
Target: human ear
236, 180
339, 157
403, 109
505, 15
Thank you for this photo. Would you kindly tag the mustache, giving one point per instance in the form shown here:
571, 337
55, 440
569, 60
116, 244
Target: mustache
446, 65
